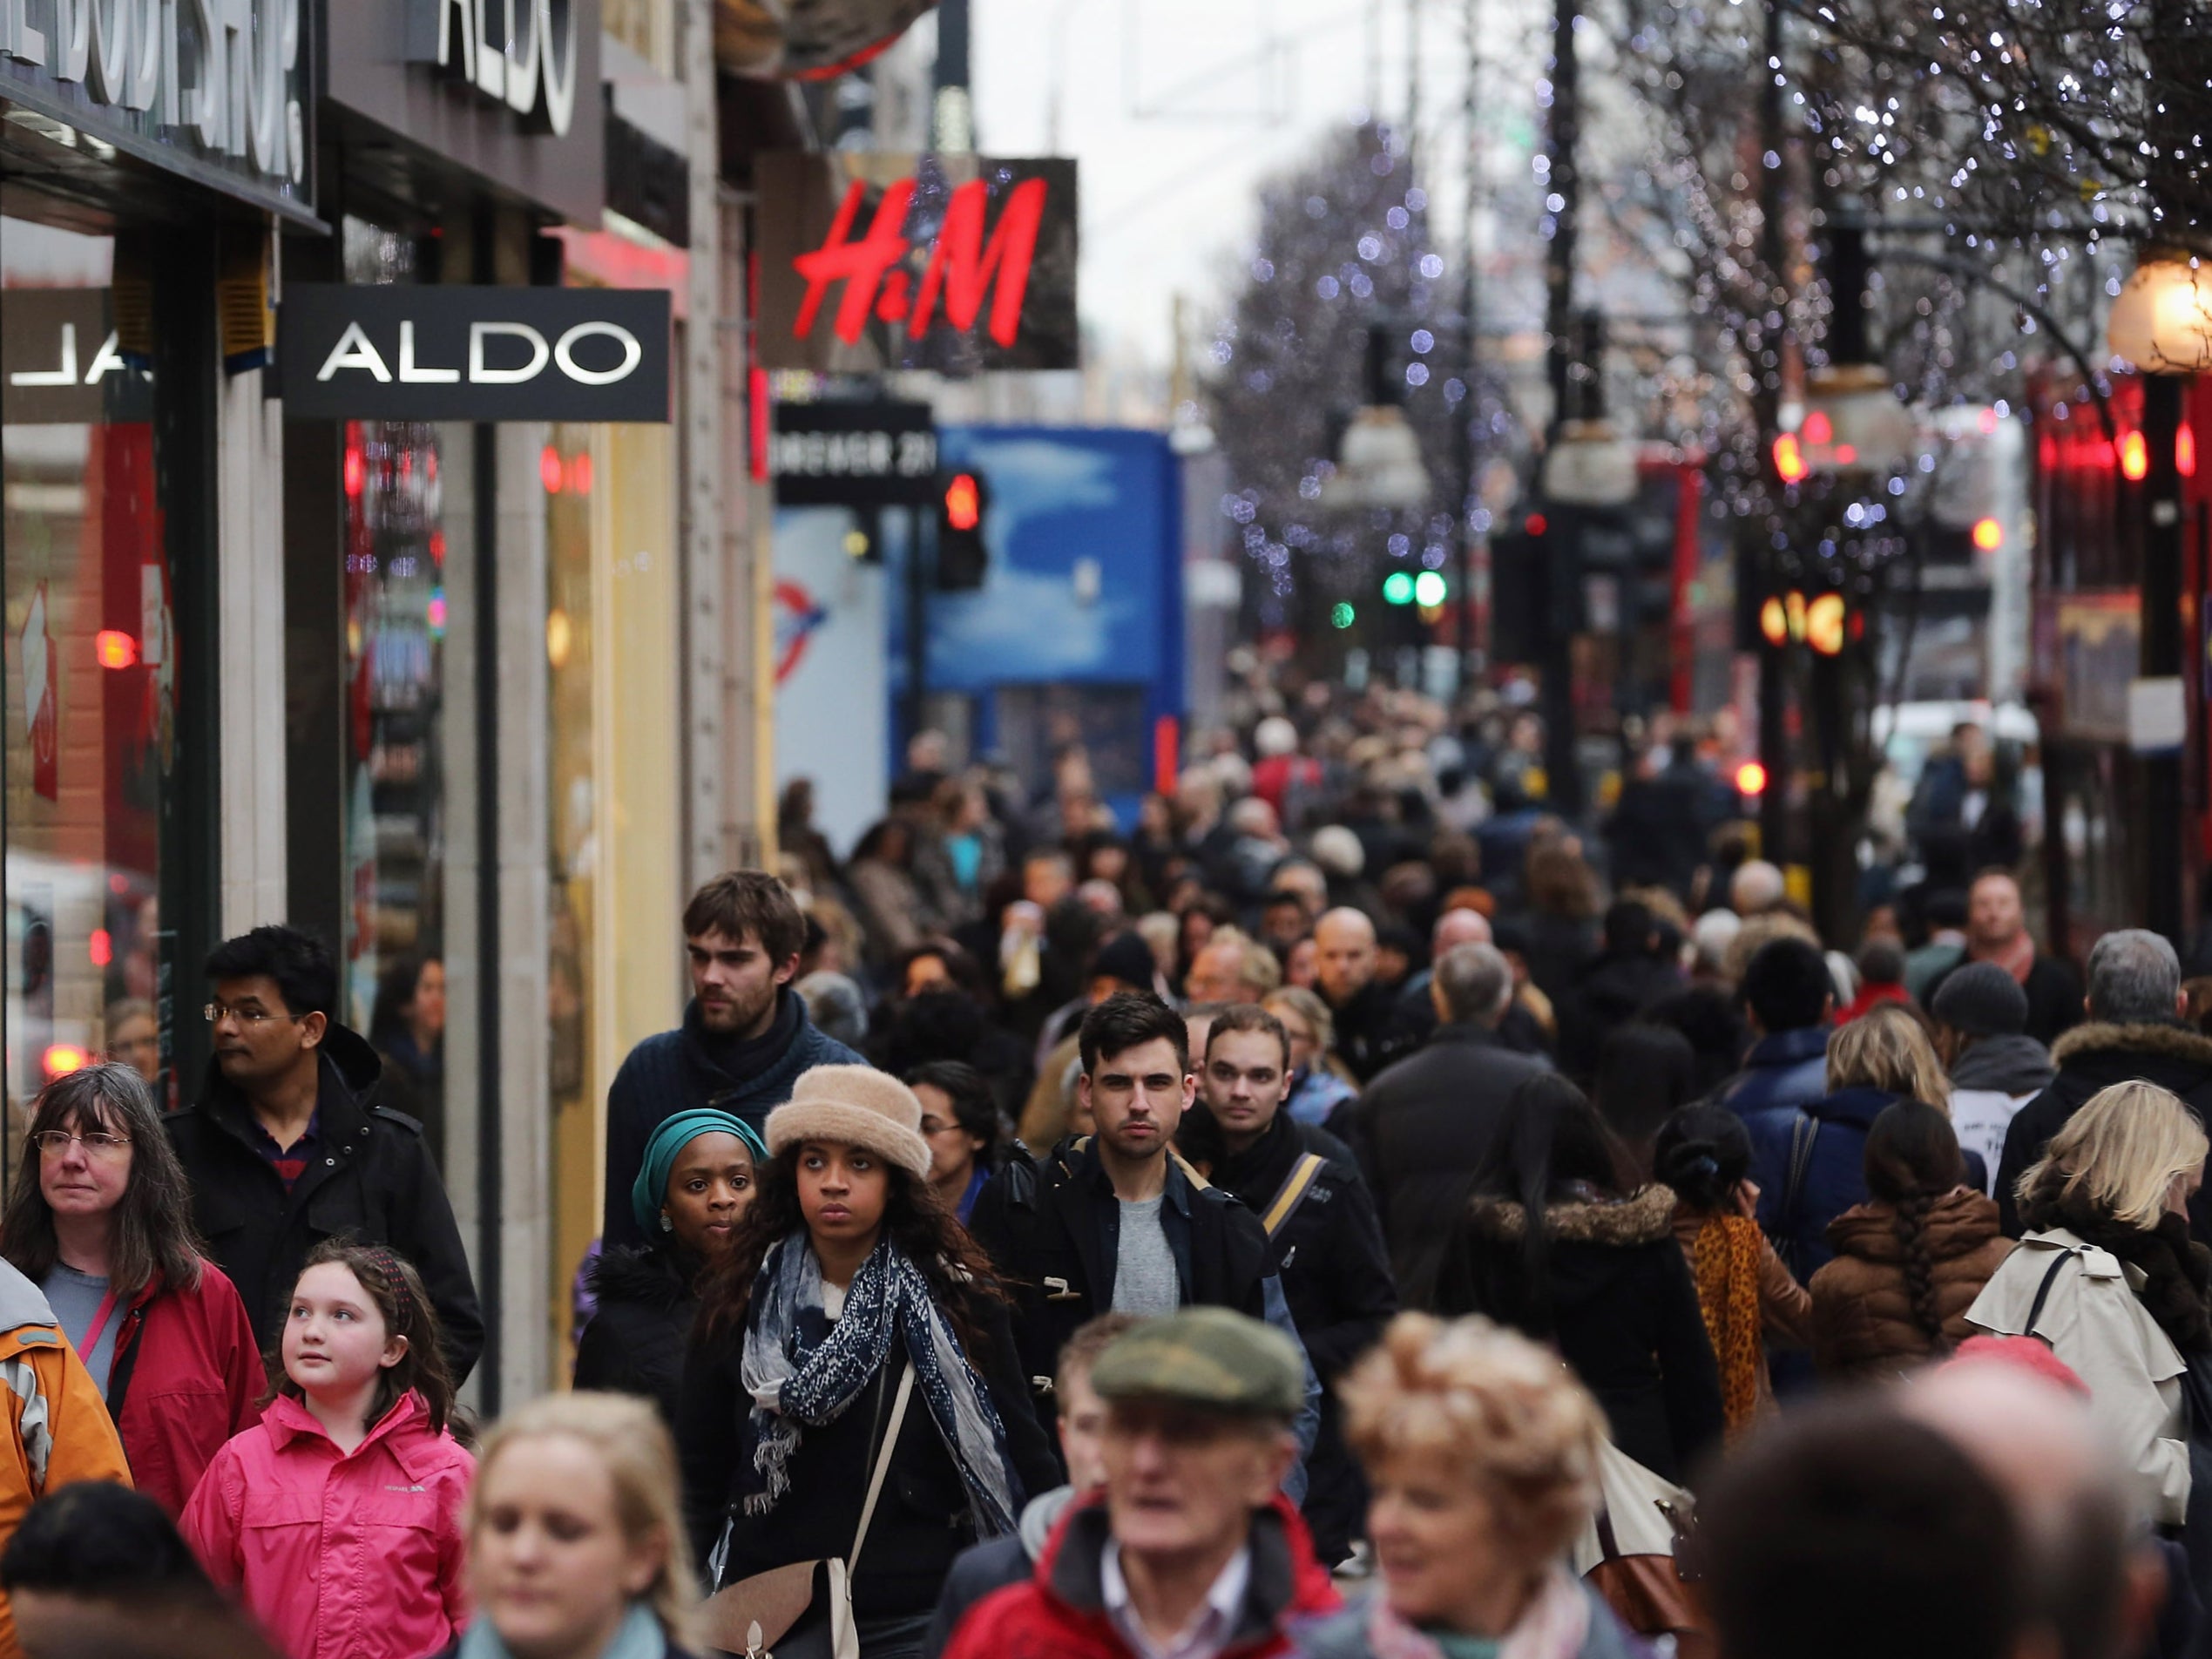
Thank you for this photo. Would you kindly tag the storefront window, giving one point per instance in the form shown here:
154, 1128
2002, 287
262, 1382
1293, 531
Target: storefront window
395, 810
91, 673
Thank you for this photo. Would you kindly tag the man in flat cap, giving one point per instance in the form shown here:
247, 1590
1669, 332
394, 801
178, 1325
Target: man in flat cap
1191, 1551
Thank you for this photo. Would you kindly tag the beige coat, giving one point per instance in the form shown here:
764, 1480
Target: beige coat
2094, 1321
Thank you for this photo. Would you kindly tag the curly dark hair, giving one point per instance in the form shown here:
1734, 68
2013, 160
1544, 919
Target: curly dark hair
960, 1275
1912, 1159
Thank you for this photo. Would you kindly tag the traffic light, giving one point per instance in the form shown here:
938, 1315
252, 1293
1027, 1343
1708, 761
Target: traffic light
962, 557
1397, 588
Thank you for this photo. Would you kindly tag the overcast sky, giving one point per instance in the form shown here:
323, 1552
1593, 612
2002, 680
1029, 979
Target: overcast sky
1176, 111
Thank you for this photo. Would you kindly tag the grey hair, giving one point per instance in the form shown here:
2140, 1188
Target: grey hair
1475, 982
2133, 974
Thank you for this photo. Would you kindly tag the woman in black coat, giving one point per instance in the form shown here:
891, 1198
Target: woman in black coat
848, 1274
693, 1186
1552, 1243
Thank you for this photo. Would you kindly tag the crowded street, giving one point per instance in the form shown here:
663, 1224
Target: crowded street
1106, 829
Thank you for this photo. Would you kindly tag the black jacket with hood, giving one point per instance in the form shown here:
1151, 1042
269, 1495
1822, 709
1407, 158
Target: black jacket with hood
634, 1343
1618, 1301
2095, 1057
371, 1177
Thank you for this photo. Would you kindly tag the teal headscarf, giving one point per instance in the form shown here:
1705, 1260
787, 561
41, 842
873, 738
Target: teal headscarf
650, 1191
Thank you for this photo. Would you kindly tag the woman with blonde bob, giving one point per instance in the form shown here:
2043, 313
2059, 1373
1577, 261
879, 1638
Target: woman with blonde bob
2108, 1276
1810, 1166
1482, 1451
576, 1535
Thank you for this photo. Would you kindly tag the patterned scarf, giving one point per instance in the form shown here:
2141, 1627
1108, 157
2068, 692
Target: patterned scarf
803, 1371
1725, 1260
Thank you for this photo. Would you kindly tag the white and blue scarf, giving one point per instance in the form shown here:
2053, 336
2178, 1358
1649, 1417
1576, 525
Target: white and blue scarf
804, 1373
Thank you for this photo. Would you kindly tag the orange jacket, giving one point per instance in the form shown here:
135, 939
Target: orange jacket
56, 1426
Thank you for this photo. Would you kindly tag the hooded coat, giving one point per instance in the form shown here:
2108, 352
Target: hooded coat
1618, 1301
375, 1180
1864, 1324
640, 1323
2093, 1057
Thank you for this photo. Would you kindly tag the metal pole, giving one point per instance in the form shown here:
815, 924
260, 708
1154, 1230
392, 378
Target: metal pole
2161, 653
1471, 407
1773, 743
917, 627
1562, 141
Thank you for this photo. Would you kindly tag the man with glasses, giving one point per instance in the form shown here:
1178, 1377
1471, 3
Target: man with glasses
290, 1143
1115, 1222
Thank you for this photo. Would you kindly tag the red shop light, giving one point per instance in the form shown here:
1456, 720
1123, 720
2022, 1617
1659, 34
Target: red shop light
579, 475
114, 648
2185, 449
549, 469
1789, 458
1536, 525
61, 1058
2134, 457
100, 947
1818, 428
356, 472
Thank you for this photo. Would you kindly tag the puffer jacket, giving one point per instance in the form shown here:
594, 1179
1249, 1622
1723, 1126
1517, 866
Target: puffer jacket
341, 1555
2094, 1320
1061, 1612
187, 1376
56, 1429
1864, 1324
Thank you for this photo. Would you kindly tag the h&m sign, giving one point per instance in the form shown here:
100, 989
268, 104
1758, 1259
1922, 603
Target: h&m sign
472, 354
952, 263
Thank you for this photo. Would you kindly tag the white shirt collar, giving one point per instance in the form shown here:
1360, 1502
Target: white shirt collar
1210, 1628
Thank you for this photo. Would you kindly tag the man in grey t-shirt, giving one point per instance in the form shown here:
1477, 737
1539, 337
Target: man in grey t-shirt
1144, 1264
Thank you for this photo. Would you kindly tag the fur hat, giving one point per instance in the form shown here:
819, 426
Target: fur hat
858, 1105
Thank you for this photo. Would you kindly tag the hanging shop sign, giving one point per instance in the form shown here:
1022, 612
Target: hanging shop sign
460, 352
953, 262
521, 53
212, 89
876, 454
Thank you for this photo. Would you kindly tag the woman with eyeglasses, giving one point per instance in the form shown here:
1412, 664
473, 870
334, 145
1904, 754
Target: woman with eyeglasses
100, 1219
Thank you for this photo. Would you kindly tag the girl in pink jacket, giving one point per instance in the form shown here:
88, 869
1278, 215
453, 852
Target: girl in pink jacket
336, 1520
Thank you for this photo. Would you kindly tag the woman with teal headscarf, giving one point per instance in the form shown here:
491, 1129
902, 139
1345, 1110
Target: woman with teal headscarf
695, 1182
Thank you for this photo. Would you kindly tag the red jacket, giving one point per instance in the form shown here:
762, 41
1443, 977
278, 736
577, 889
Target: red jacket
353, 1555
1061, 1612
186, 1377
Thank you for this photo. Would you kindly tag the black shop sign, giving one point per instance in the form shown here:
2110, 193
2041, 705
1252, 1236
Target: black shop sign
464, 353
875, 454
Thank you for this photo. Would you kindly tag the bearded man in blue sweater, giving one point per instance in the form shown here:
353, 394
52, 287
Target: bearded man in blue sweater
745, 1037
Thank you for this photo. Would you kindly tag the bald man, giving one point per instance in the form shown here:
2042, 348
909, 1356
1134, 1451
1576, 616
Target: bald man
2098, 1574
1344, 969
1413, 1020
1756, 888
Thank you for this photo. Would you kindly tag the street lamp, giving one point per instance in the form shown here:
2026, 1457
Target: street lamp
2162, 323
1378, 460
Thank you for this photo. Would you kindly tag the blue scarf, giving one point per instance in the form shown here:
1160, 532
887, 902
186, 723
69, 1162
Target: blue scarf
638, 1636
804, 1373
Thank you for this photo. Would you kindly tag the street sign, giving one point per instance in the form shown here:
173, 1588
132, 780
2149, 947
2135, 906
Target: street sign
874, 453
401, 352
953, 262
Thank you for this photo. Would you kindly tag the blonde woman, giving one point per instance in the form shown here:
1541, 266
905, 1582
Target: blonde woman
576, 1536
1483, 1455
2108, 1276
1809, 1164
1317, 1086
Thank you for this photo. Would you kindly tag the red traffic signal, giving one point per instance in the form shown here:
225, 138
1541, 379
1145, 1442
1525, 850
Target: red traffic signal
963, 502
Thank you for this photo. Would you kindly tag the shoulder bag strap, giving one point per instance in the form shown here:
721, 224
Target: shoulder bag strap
882, 1465
1802, 1134
2042, 1292
1292, 1193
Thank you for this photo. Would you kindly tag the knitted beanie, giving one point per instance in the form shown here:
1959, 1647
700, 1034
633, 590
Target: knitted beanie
855, 1106
1981, 999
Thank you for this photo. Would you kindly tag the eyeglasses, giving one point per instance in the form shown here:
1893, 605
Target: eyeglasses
55, 1143
216, 1010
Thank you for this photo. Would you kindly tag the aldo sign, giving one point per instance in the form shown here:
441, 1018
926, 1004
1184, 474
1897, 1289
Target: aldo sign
472, 354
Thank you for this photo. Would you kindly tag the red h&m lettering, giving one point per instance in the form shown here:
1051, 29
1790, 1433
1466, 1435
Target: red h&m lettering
962, 264
963, 268
860, 265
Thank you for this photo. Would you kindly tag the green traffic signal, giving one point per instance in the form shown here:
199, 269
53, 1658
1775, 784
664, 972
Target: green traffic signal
1341, 615
1397, 588
1428, 589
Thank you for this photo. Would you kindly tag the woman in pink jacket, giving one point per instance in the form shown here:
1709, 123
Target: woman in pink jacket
337, 1518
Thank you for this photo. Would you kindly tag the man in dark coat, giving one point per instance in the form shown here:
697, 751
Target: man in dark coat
1344, 951
1630, 973
1115, 1221
1420, 1128
290, 1144
1305, 1187
744, 1040
1997, 931
2134, 1031
1788, 999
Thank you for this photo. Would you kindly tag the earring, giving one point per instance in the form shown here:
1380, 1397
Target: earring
666, 1226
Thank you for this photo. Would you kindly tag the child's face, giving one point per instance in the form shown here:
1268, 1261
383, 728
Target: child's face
335, 1340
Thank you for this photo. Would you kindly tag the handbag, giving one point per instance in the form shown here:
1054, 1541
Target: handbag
804, 1610
1627, 1555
